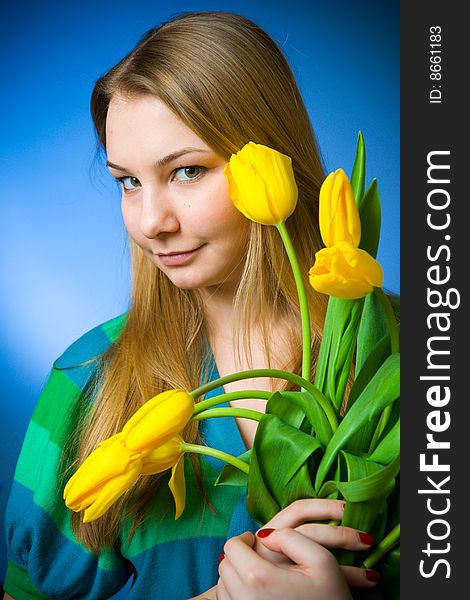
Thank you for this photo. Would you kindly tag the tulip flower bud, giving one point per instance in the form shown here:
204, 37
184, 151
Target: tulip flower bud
148, 444
339, 215
261, 184
158, 420
104, 476
345, 271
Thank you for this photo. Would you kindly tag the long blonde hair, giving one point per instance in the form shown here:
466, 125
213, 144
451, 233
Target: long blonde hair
229, 82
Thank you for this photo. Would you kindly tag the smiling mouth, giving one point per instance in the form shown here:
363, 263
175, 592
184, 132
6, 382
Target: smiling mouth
176, 258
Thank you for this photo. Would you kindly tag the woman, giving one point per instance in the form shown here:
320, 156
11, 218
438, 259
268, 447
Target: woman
212, 294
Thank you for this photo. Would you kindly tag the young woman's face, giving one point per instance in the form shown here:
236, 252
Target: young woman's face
175, 201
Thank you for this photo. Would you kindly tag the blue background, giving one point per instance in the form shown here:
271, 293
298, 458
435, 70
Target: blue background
63, 249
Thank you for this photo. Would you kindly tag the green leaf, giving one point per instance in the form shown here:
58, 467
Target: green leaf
361, 440
375, 484
370, 214
373, 362
389, 447
341, 322
347, 347
231, 475
365, 485
291, 407
273, 484
373, 327
382, 390
359, 170
283, 405
260, 504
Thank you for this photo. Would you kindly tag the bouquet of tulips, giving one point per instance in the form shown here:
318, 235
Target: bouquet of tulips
339, 435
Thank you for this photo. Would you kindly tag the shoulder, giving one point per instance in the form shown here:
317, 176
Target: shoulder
79, 361
91, 344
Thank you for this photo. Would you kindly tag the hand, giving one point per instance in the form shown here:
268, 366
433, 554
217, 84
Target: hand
297, 547
297, 516
313, 573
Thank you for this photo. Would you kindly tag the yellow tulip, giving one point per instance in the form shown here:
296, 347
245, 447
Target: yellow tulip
104, 476
339, 215
345, 271
112, 469
149, 443
261, 184
158, 420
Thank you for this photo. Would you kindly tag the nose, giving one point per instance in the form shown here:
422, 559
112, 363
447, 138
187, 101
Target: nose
157, 214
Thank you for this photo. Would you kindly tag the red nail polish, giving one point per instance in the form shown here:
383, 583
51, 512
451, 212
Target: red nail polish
263, 533
221, 558
372, 575
366, 538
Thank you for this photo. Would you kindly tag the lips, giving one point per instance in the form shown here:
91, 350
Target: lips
176, 258
177, 253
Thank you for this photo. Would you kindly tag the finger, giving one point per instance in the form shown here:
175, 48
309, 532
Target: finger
231, 585
336, 536
360, 578
300, 549
221, 591
312, 509
241, 556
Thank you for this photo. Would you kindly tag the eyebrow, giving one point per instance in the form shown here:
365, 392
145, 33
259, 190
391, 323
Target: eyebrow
162, 162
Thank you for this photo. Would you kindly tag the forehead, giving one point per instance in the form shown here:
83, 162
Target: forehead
145, 121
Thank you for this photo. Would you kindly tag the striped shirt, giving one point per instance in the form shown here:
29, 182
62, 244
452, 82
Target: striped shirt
166, 559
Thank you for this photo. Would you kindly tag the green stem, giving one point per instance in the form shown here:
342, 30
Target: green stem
243, 413
392, 322
221, 398
228, 458
389, 541
302, 293
276, 374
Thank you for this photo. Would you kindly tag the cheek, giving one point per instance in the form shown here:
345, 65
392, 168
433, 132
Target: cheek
222, 212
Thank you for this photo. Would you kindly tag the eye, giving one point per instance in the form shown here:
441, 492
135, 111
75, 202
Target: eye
129, 183
186, 174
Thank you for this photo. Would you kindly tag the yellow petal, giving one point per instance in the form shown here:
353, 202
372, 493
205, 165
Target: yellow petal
111, 491
338, 212
163, 457
325, 208
111, 459
158, 420
177, 485
345, 271
261, 184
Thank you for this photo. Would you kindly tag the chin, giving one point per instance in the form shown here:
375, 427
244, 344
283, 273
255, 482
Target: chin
188, 282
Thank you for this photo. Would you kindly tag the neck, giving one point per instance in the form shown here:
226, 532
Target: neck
218, 308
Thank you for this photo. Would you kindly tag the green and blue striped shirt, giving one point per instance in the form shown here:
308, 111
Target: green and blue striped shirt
166, 559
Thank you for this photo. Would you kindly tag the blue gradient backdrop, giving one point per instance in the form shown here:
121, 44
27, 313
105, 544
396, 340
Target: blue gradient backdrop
63, 254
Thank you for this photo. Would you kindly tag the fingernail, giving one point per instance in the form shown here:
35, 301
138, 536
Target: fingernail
263, 533
372, 575
344, 506
221, 558
366, 538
